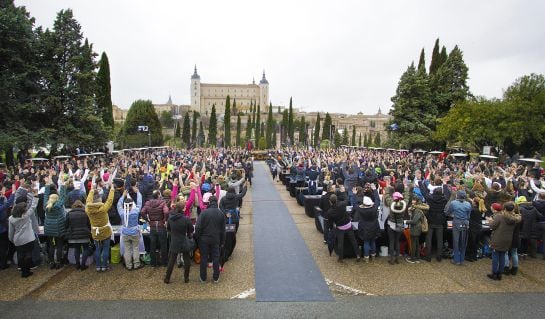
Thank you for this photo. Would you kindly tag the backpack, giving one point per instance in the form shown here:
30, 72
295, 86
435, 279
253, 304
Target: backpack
424, 224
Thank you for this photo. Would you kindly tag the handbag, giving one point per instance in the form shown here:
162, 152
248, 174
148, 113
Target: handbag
189, 245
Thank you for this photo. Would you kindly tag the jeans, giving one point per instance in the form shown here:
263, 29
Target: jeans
55, 245
415, 244
24, 257
206, 250
172, 257
161, 236
78, 249
438, 230
514, 257
459, 241
102, 253
340, 242
131, 253
369, 246
4, 247
393, 241
498, 261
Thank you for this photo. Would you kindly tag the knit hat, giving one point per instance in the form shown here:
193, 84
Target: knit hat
521, 199
496, 207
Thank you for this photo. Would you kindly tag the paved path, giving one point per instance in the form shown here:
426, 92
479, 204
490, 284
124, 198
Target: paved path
284, 268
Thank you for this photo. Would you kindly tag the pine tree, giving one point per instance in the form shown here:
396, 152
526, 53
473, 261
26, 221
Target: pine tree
353, 142
258, 123
186, 130
290, 121
227, 122
238, 131
270, 128
422, 61
213, 128
327, 134
377, 140
194, 128
316, 140
104, 93
450, 82
434, 64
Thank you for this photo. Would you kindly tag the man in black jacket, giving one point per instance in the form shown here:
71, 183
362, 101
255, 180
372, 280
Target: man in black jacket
436, 216
210, 234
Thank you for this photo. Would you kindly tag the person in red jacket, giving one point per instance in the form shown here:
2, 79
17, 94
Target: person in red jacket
155, 212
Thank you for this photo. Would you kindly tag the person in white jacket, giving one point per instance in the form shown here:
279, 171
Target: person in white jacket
23, 227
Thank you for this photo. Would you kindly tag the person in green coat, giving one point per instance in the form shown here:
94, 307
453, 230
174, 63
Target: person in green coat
55, 221
416, 212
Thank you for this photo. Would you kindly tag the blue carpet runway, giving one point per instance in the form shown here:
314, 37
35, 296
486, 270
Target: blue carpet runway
284, 268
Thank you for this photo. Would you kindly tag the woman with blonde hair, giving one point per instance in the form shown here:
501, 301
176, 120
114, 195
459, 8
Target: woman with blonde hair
55, 222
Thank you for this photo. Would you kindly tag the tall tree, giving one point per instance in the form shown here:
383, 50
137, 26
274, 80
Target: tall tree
345, 140
253, 120
316, 141
200, 137
443, 56
303, 131
258, 123
285, 120
142, 113
213, 128
359, 141
239, 128
274, 141
178, 131
194, 127
377, 140
326, 132
435, 57
270, 128
166, 119
104, 93
234, 110
422, 61
337, 138
290, 121
227, 122
186, 130
353, 141
249, 128
450, 82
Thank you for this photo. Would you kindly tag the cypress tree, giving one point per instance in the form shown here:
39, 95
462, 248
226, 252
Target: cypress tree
249, 128
270, 128
377, 140
234, 112
442, 57
253, 120
290, 122
194, 128
359, 141
213, 128
104, 93
238, 131
316, 134
422, 61
200, 138
353, 142
186, 130
274, 136
326, 130
434, 64
178, 132
303, 131
285, 117
345, 136
258, 123
227, 122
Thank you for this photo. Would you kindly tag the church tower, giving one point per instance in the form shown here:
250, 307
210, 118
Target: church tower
264, 93
195, 90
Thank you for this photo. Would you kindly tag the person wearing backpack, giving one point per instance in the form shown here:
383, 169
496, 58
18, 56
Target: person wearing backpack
416, 213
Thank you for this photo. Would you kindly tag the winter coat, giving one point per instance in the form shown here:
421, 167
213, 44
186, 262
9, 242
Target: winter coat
4, 205
77, 224
502, 226
23, 230
55, 220
337, 215
417, 216
155, 212
475, 220
231, 200
113, 213
437, 202
493, 196
210, 227
180, 228
367, 218
98, 216
530, 216
540, 206
129, 220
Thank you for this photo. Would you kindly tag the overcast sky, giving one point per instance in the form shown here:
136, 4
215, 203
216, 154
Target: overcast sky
336, 56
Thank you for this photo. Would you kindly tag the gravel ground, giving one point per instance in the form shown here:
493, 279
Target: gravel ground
380, 278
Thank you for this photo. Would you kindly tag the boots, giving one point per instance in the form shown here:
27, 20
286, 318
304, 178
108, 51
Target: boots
366, 259
391, 261
506, 271
514, 271
396, 260
186, 273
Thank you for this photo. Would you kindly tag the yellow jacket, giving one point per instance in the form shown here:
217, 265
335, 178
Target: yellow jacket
98, 215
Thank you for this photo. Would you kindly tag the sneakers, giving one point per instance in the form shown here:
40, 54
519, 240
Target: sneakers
411, 260
366, 259
427, 258
201, 280
216, 281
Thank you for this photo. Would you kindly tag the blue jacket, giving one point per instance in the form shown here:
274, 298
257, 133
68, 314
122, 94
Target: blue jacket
130, 223
460, 210
4, 204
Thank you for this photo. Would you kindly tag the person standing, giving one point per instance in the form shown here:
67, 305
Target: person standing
155, 212
338, 217
5, 203
416, 213
460, 209
129, 211
55, 221
23, 227
437, 201
181, 231
78, 233
366, 215
502, 224
101, 229
210, 235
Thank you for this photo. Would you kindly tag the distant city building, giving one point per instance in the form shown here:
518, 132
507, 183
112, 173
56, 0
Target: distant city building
204, 95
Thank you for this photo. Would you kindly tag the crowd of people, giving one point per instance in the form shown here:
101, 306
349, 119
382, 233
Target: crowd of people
192, 197
412, 197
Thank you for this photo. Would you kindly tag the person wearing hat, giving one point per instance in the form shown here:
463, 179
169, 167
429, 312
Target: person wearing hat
460, 210
129, 211
366, 214
210, 235
502, 225
398, 206
23, 227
